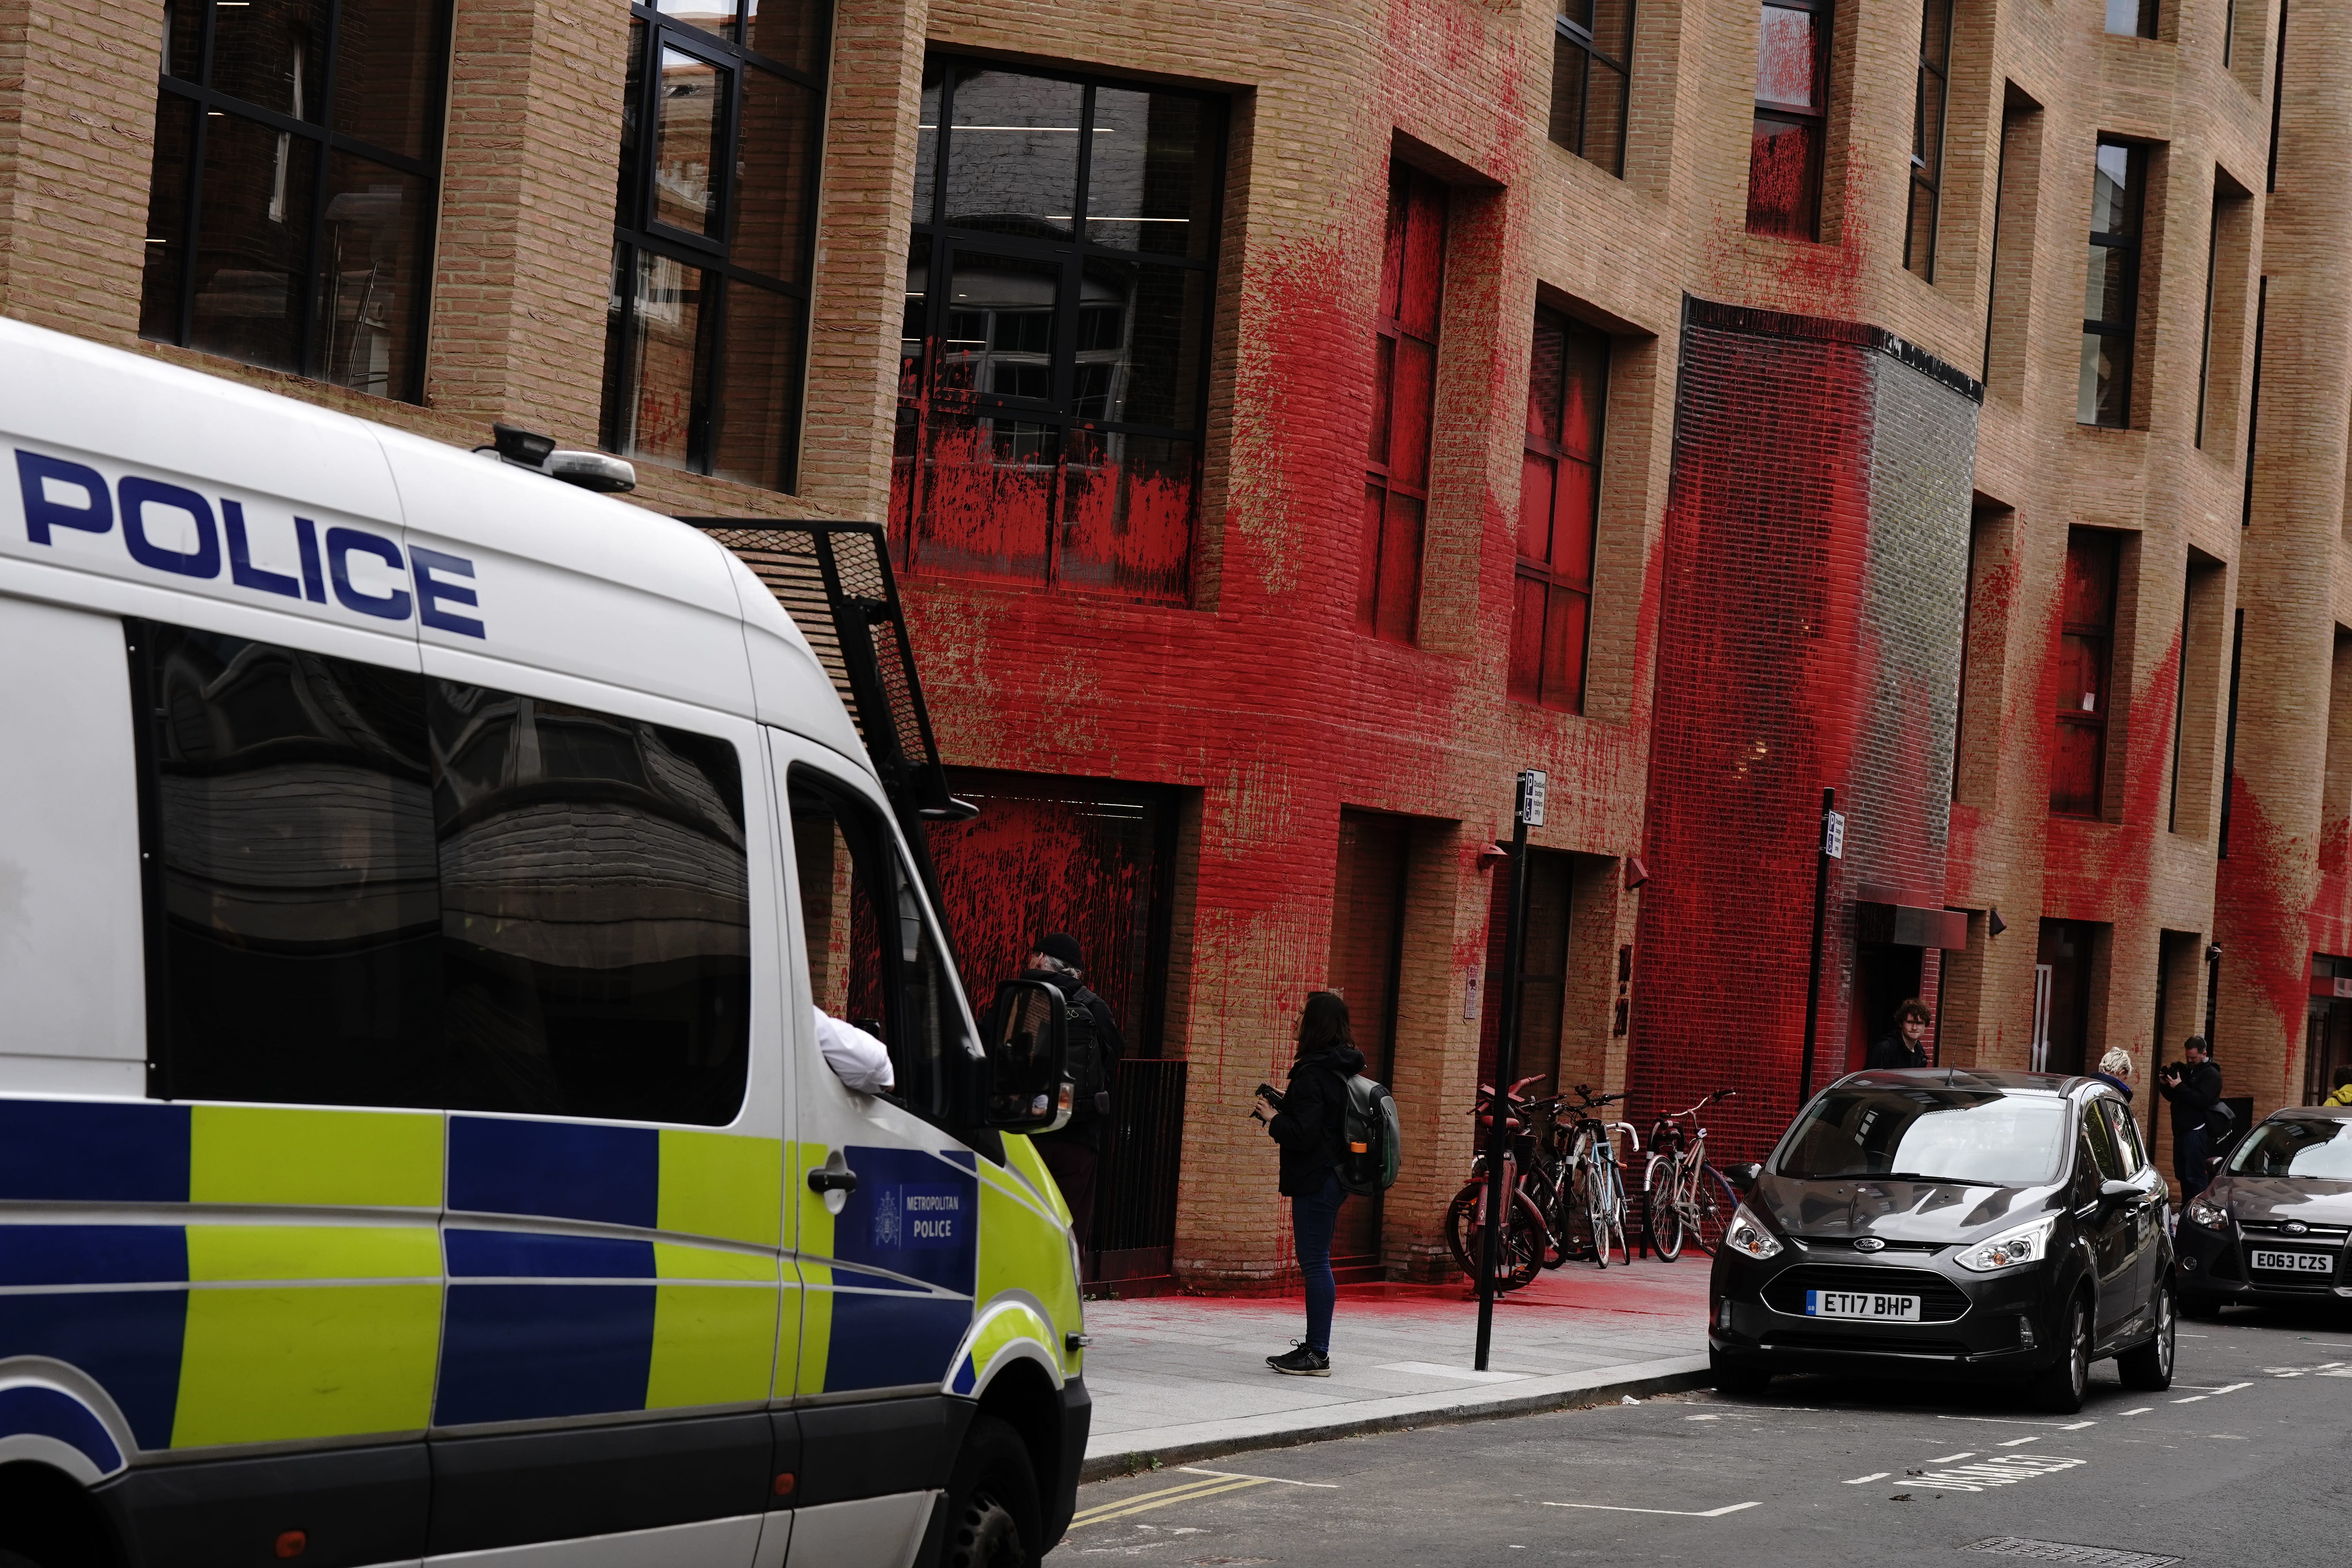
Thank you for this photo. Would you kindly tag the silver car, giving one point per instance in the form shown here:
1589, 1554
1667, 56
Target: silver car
2273, 1224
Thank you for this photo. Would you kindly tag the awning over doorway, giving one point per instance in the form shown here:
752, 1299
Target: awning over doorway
1879, 915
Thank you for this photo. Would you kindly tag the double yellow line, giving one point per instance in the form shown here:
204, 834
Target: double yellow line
1208, 1486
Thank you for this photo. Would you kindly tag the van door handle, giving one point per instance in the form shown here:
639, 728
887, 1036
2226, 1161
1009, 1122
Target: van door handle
824, 1180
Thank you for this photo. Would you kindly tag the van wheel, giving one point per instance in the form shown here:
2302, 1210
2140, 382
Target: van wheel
993, 1514
2147, 1368
2060, 1389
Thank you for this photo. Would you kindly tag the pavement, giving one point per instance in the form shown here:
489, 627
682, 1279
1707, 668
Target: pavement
2238, 1462
1178, 1378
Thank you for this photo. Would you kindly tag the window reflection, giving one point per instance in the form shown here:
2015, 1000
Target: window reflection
686, 136
1012, 159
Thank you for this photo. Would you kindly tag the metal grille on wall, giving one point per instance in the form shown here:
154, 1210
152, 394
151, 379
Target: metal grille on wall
1135, 1203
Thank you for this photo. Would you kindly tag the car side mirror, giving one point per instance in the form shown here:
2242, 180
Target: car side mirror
2113, 1195
1029, 1086
1743, 1176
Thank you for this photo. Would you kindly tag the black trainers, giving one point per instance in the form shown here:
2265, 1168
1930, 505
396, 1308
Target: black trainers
1301, 1363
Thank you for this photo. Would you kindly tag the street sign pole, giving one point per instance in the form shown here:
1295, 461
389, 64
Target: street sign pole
1829, 847
1527, 811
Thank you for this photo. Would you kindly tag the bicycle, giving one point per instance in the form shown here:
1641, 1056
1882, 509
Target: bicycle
1595, 1187
1685, 1198
1525, 1242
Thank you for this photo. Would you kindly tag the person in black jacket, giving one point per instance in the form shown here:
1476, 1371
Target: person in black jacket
1073, 1154
1307, 1126
2193, 1088
1905, 1045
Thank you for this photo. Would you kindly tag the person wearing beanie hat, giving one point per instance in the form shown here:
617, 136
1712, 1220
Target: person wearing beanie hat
1096, 1047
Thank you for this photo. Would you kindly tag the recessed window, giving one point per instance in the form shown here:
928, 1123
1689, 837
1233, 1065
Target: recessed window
1927, 136
1404, 395
2137, 18
297, 152
2111, 294
1591, 56
2085, 647
1559, 490
1792, 94
714, 221
1053, 361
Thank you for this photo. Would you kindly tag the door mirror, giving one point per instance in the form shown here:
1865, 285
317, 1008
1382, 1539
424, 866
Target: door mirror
1029, 1087
1742, 1177
2114, 1194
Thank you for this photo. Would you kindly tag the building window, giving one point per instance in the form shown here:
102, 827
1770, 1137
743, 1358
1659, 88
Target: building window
1404, 390
2111, 295
1053, 366
1559, 490
2086, 638
298, 154
1792, 94
2137, 18
1927, 136
1591, 55
713, 225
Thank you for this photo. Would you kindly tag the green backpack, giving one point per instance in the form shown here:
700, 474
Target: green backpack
1370, 1137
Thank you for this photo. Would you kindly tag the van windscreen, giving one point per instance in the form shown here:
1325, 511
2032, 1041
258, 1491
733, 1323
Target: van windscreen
1929, 1135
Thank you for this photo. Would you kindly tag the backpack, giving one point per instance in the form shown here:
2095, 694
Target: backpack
1370, 1137
1090, 1099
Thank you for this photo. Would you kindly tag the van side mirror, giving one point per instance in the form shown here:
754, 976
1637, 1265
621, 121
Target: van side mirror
1743, 1176
1029, 1086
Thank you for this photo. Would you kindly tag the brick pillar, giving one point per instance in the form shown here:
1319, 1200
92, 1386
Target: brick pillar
523, 259
77, 150
1435, 1075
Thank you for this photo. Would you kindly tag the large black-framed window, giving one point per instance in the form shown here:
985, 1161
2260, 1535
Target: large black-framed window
1053, 381
713, 230
1927, 136
297, 174
1591, 65
1791, 132
2111, 291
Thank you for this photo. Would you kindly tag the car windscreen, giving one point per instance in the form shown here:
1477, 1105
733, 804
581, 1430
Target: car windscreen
1930, 1134
2317, 1149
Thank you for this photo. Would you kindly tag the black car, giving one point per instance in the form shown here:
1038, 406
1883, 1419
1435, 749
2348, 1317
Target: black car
1936, 1221
2273, 1227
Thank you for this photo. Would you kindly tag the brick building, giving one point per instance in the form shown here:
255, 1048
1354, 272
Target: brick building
1292, 421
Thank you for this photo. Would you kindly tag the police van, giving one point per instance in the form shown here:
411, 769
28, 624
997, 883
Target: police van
423, 886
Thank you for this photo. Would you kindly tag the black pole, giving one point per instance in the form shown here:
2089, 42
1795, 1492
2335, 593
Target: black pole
1820, 917
1507, 1062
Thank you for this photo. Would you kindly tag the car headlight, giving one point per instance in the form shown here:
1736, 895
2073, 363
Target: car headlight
2026, 1244
1746, 1235
2207, 1215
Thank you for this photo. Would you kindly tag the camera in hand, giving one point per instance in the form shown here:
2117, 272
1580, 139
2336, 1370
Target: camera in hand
1268, 1092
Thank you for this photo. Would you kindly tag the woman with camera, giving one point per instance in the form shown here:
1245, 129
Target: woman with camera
1306, 1121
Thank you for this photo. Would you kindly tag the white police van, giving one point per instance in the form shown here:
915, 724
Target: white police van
420, 883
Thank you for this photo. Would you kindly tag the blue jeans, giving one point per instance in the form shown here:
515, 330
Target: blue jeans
1313, 1218
2190, 1153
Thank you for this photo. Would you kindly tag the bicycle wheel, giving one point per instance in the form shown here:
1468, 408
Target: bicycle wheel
1518, 1249
1711, 1206
1597, 1208
1618, 1206
1661, 1216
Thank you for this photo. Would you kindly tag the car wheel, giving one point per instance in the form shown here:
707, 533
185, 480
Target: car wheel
991, 1502
2060, 1389
2148, 1367
1740, 1382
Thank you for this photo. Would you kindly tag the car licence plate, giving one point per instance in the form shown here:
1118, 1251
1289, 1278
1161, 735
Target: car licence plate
2293, 1262
1861, 1304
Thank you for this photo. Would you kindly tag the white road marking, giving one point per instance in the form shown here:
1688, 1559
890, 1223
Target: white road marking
2347, 1372
2141, 1411
1702, 1417
2232, 1387
1998, 1420
2013, 1442
1954, 1459
2078, 1425
1240, 1476
1873, 1476
1677, 1512
2007, 1469
2190, 1400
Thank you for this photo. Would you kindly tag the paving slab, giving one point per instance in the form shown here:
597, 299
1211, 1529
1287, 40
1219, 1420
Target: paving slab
1178, 1378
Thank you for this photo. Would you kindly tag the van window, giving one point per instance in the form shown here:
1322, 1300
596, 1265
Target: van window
873, 957
366, 887
2129, 1154
2101, 1134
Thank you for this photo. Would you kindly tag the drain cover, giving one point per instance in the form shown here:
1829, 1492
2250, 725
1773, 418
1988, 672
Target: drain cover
2059, 1551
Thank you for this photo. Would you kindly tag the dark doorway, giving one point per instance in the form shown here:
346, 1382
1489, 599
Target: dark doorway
2066, 953
1091, 857
1367, 941
1543, 968
1885, 975
2328, 1045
